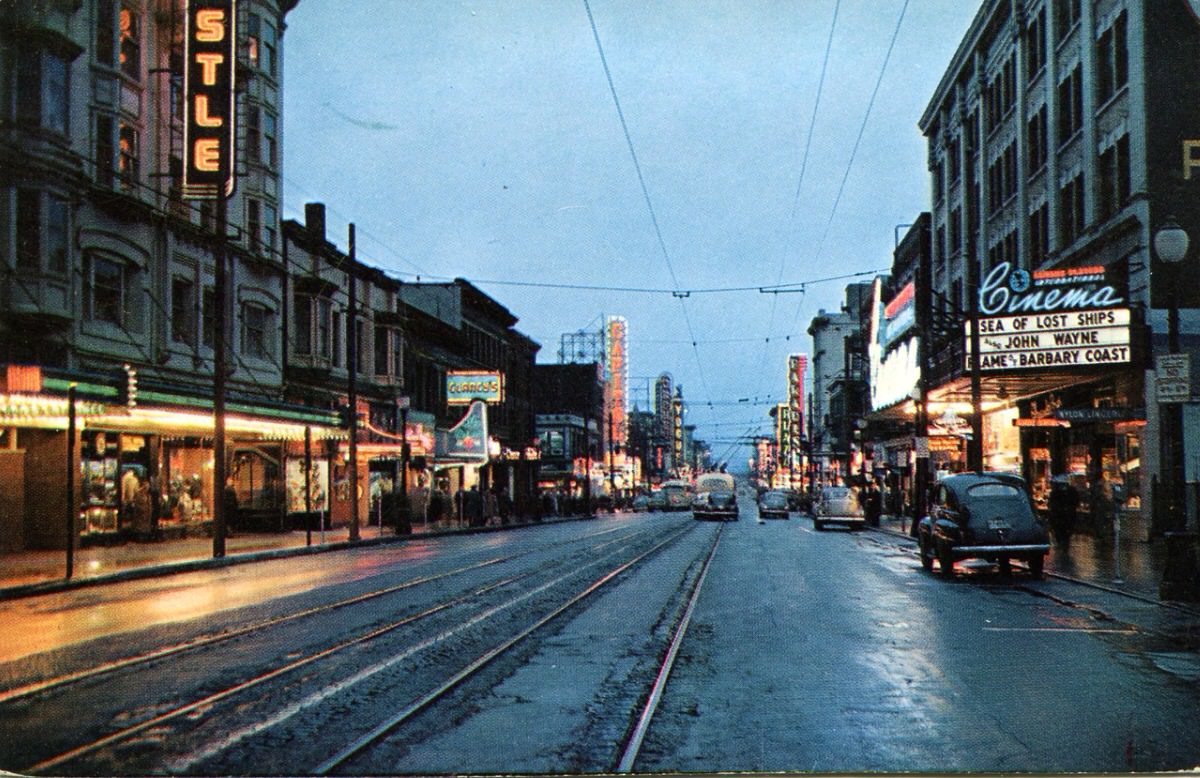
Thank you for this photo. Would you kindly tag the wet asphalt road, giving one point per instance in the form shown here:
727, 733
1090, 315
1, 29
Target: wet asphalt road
819, 651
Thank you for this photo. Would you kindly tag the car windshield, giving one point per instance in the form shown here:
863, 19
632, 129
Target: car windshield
836, 493
993, 490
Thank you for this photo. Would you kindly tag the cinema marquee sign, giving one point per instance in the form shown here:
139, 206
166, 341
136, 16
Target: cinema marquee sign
210, 107
1050, 319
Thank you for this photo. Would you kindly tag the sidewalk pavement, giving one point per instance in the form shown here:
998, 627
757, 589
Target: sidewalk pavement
1094, 559
25, 573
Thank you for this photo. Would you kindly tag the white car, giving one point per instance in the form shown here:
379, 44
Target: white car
838, 505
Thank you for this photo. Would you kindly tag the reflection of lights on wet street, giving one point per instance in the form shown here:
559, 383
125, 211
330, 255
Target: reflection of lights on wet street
94, 565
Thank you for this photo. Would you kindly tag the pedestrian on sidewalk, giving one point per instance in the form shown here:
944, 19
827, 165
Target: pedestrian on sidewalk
1063, 506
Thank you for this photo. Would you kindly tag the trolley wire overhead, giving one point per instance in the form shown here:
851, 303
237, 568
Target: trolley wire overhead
645, 191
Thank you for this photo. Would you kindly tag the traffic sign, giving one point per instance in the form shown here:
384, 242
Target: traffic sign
1173, 378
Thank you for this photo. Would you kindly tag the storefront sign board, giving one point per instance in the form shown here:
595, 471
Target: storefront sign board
465, 386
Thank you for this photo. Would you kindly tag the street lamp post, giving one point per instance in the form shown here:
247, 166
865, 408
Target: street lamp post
1171, 244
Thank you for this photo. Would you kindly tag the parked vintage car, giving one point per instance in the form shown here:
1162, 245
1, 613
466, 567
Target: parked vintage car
658, 501
773, 505
838, 505
640, 503
983, 516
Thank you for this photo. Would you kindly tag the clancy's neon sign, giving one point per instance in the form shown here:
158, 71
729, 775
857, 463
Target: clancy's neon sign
1008, 290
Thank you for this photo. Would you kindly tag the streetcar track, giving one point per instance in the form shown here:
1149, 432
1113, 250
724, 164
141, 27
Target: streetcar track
383, 729
202, 641
633, 744
205, 703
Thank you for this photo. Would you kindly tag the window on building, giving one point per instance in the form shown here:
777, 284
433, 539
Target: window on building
208, 317
104, 289
131, 42
129, 154
29, 229
1039, 234
939, 247
397, 371
955, 231
1037, 142
1004, 250
256, 324
270, 218
1112, 59
268, 139
336, 321
1070, 105
253, 223
42, 90
1066, 15
1114, 177
1002, 178
253, 134
183, 310
324, 327
1000, 95
359, 356
313, 326
106, 32
58, 234
253, 39
938, 182
382, 348
1035, 45
303, 337
268, 49
105, 150
954, 170
1071, 221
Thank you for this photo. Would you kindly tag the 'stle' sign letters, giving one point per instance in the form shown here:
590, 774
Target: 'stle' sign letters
209, 112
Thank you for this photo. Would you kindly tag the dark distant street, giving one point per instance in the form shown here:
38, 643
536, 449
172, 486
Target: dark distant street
817, 651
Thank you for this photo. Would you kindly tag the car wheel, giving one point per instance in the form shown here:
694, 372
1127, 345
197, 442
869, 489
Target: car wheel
1037, 565
926, 555
1005, 565
945, 560
818, 525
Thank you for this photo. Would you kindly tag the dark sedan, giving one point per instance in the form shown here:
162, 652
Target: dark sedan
715, 505
773, 505
983, 516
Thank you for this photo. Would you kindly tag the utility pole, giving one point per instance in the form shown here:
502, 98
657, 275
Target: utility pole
221, 293
352, 349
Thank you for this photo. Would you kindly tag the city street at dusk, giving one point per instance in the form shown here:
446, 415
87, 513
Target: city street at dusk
823, 651
450, 387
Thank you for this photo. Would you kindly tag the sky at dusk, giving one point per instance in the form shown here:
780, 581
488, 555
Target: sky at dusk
480, 139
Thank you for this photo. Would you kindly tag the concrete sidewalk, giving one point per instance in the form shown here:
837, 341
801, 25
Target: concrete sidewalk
27, 573
1137, 569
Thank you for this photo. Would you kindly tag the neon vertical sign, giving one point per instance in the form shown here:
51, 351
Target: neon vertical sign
210, 105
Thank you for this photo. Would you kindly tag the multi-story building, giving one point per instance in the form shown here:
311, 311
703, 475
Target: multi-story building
1058, 148
838, 372
108, 273
569, 400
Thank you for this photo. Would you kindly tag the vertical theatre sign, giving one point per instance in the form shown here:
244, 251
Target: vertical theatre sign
797, 364
209, 119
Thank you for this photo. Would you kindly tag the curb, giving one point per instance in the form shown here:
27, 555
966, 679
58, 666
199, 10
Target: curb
193, 565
